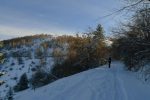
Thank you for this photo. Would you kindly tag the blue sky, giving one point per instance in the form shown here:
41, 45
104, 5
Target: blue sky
26, 17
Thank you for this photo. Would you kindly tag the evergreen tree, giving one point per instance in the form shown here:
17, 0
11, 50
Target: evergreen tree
99, 32
23, 83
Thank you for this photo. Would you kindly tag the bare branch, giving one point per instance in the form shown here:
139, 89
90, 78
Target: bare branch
122, 9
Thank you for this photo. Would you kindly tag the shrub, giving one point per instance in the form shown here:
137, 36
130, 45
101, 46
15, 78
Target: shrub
10, 69
12, 64
20, 61
33, 69
66, 69
41, 78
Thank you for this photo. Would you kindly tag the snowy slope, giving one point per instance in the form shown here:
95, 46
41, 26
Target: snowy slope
24, 58
17, 70
96, 84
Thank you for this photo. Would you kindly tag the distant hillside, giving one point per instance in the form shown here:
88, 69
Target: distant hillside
26, 40
34, 61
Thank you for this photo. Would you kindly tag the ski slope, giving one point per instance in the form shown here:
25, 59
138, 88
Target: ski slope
97, 84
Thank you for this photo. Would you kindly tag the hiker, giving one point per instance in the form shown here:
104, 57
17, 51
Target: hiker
109, 62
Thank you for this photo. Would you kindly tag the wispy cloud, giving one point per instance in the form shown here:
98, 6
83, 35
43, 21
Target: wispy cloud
11, 32
25, 17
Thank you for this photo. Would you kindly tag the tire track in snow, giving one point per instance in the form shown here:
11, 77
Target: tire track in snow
108, 86
101, 85
120, 92
72, 88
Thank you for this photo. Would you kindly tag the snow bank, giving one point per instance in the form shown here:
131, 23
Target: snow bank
96, 84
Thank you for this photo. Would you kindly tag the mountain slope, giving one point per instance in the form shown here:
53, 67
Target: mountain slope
96, 84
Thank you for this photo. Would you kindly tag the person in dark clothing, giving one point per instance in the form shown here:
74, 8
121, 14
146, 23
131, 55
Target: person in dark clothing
109, 62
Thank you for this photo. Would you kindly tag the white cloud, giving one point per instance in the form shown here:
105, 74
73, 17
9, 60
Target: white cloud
52, 16
7, 32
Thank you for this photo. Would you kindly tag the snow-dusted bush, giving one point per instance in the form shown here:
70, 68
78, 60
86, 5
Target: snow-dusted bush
133, 41
66, 69
20, 61
40, 78
33, 69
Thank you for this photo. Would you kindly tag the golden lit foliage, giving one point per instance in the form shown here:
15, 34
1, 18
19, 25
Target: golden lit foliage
27, 40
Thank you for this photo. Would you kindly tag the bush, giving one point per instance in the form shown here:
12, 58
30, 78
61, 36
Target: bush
39, 53
66, 69
6, 85
10, 69
12, 64
14, 78
23, 66
20, 68
20, 61
33, 69
41, 78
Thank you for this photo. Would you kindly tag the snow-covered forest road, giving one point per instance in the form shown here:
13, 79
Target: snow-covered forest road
97, 84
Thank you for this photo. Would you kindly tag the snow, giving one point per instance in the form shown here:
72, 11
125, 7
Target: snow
17, 71
96, 84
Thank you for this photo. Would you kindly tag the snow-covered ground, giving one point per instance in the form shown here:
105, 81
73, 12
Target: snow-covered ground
29, 60
16, 71
97, 84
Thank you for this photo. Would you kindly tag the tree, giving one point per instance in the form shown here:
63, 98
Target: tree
84, 52
23, 83
99, 32
94, 49
133, 43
